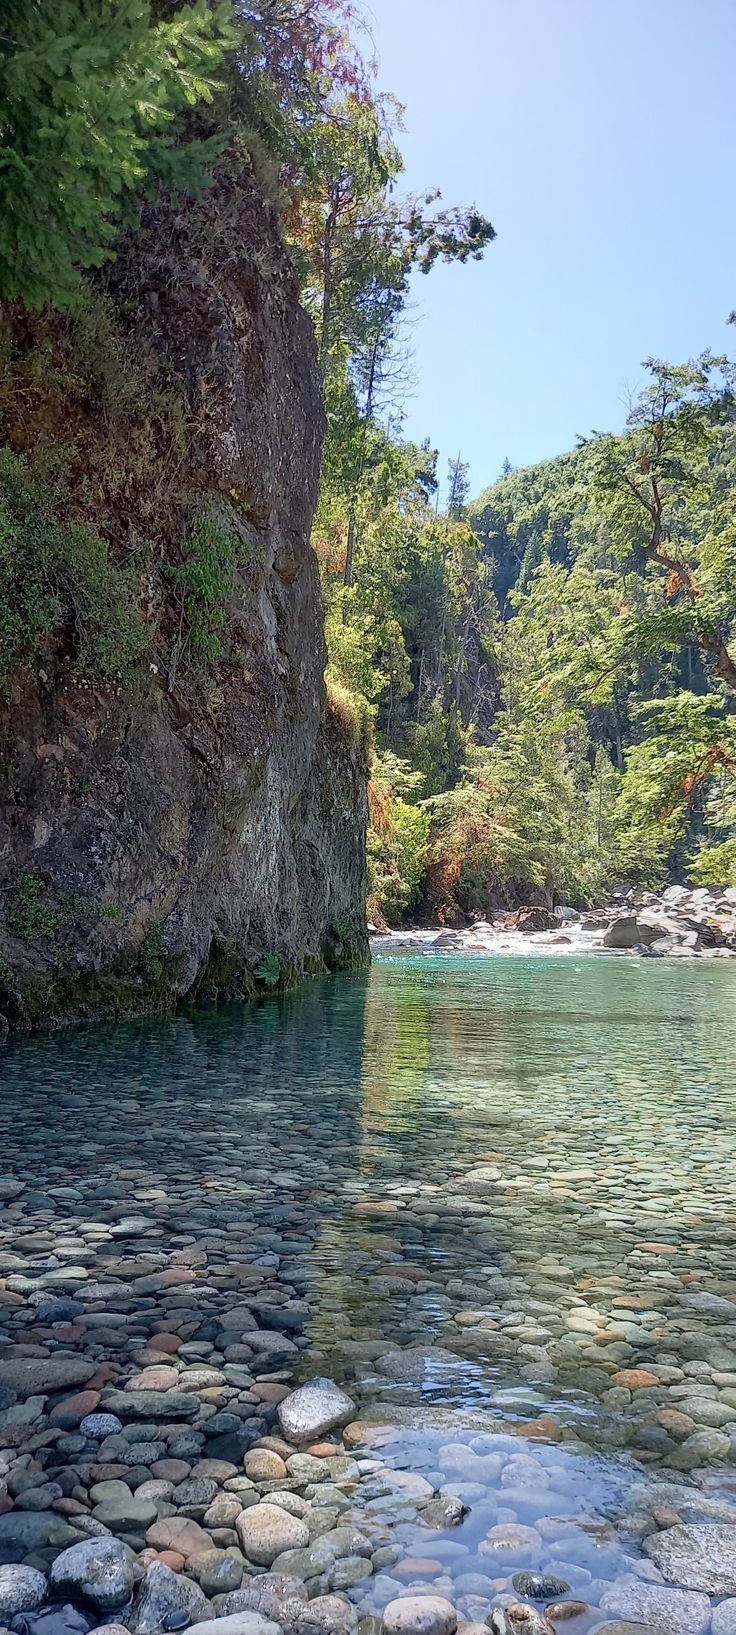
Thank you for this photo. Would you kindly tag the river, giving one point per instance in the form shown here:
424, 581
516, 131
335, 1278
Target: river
494, 1197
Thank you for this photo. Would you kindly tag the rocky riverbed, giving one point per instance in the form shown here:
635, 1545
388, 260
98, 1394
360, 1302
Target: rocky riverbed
677, 924
402, 1305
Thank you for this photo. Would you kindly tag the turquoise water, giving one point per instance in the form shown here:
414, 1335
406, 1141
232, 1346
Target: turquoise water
497, 1196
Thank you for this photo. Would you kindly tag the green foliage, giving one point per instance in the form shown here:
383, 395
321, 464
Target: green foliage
89, 95
150, 963
35, 914
56, 574
206, 580
398, 839
268, 971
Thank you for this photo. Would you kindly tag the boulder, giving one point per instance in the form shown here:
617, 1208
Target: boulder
314, 1409
630, 932
266, 1531
696, 1557
99, 1570
21, 1590
661, 1610
164, 1595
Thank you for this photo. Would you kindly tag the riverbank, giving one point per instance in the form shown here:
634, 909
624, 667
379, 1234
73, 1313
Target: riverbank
496, 1212
675, 924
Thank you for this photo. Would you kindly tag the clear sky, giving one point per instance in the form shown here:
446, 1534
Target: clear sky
598, 135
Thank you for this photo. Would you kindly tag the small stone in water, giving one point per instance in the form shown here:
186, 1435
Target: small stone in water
537, 1587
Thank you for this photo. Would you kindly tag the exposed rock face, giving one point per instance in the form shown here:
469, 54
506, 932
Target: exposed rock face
176, 833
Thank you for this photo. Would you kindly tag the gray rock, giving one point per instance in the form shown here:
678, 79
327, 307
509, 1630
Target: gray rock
417, 1363
23, 1532
696, 1557
34, 1376
163, 1594
324, 1615
130, 1515
238, 1623
99, 1425
314, 1409
724, 1619
21, 1589
100, 1570
216, 1572
662, 1611
151, 1405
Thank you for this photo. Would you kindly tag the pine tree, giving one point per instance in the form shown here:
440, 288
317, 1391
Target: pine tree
89, 94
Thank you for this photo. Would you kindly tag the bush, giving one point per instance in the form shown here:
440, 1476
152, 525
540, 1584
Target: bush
353, 713
397, 849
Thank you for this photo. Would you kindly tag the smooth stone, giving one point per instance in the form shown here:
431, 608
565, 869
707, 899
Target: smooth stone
696, 1557
179, 1533
216, 1572
23, 1532
36, 1376
724, 1619
151, 1405
314, 1409
98, 1569
238, 1623
21, 1590
663, 1611
420, 1615
539, 1586
266, 1531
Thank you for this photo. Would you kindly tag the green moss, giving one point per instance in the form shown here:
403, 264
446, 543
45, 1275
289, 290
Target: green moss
345, 946
57, 575
35, 914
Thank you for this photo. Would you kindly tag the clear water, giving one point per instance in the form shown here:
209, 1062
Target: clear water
339, 1128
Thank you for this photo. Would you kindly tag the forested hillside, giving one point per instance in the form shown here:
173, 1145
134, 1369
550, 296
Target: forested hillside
552, 667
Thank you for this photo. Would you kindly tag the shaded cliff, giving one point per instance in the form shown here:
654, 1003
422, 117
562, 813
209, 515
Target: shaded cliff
181, 811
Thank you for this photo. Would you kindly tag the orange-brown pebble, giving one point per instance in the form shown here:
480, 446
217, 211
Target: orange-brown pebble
84, 1402
323, 1450
635, 1379
172, 1559
544, 1429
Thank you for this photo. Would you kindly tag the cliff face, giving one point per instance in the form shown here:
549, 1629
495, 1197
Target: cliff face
199, 827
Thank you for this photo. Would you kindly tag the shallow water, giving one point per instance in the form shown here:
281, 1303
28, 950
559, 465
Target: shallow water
524, 1165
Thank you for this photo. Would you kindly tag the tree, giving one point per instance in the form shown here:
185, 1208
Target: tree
650, 478
458, 483
89, 95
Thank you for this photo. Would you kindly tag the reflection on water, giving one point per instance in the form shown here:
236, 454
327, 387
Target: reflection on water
499, 1194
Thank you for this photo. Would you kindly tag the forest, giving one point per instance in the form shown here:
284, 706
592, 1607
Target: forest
543, 676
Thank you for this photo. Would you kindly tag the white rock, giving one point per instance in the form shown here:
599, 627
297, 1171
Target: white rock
419, 1615
314, 1409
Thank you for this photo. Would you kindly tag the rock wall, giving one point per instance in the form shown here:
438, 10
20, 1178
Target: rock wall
164, 839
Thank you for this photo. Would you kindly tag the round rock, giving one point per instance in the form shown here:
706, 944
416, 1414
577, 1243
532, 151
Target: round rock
314, 1409
266, 1531
420, 1615
100, 1570
21, 1590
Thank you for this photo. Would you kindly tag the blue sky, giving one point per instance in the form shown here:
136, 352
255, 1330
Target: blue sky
598, 135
